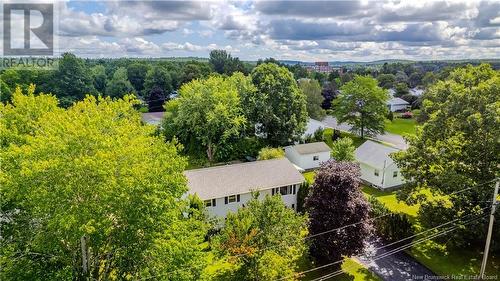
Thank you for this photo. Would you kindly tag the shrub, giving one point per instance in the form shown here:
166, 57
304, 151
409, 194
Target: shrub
393, 226
390, 115
301, 196
343, 150
267, 153
336, 135
407, 115
318, 134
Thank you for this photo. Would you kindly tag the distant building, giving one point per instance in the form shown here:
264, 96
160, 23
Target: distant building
377, 167
226, 188
397, 104
323, 67
308, 156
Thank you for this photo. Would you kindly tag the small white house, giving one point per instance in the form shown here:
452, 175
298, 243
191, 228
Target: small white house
308, 156
226, 188
396, 104
377, 167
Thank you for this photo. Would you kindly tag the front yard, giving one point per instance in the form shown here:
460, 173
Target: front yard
401, 126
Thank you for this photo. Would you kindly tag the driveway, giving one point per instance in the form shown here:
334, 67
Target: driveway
393, 139
395, 267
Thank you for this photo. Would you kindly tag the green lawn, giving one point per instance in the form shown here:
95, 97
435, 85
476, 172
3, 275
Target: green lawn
390, 201
353, 271
401, 126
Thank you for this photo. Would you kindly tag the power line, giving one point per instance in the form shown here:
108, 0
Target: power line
384, 246
404, 247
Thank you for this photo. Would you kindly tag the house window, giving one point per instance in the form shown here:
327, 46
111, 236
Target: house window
210, 203
293, 206
284, 190
395, 174
232, 199
376, 173
315, 157
294, 189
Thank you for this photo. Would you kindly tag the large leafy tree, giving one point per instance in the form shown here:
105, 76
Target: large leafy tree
72, 80
362, 104
99, 77
223, 63
335, 200
262, 241
158, 79
119, 86
386, 81
277, 107
136, 73
90, 193
207, 111
312, 89
194, 70
343, 150
457, 147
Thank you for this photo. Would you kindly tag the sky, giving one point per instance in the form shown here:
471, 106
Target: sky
287, 30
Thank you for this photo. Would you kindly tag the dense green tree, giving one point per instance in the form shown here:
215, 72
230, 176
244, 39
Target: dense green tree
277, 107
99, 77
335, 200
457, 147
267, 153
401, 89
91, 194
223, 63
329, 93
119, 86
343, 150
208, 111
72, 80
194, 70
386, 81
401, 77
263, 241
415, 79
362, 104
429, 79
5, 91
136, 73
312, 89
157, 79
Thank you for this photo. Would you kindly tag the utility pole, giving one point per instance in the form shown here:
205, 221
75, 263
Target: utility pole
490, 230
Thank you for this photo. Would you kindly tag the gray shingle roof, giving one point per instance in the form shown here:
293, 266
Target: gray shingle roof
221, 181
374, 154
397, 101
310, 148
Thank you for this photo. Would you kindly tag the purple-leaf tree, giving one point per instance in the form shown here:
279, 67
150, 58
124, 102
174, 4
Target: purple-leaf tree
335, 200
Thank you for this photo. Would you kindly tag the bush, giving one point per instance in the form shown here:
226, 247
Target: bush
390, 115
301, 196
336, 135
267, 153
407, 115
318, 134
393, 226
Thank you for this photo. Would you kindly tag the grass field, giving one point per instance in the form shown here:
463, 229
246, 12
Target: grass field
391, 202
401, 126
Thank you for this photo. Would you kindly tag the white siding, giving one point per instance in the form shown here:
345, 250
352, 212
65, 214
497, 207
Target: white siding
306, 161
221, 209
368, 175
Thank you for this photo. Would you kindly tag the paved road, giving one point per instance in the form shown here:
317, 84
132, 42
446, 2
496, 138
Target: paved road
395, 267
393, 139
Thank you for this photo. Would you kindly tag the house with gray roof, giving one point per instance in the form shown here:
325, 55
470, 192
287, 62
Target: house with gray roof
396, 104
377, 167
309, 155
226, 188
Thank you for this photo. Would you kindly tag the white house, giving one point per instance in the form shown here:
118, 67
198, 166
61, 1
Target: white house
227, 188
377, 167
395, 104
308, 156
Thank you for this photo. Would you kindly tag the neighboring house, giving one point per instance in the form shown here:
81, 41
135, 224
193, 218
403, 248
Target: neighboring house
396, 104
312, 126
417, 91
226, 188
152, 118
377, 167
308, 156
